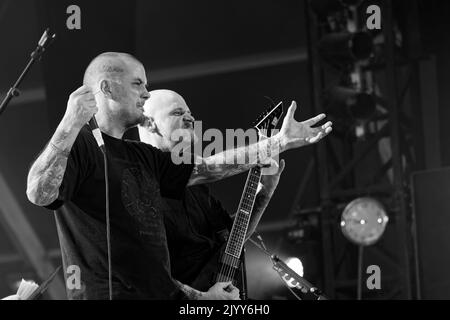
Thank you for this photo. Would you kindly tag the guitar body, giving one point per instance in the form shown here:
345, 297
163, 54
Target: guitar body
211, 272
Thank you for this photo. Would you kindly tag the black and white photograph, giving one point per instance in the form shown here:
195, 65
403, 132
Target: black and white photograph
263, 153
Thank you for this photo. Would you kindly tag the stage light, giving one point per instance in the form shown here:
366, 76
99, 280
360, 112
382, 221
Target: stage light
363, 221
345, 103
342, 48
360, 131
296, 265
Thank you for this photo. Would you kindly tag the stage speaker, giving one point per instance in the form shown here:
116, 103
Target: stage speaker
431, 204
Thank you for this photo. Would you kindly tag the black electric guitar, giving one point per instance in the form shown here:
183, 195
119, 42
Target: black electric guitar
225, 264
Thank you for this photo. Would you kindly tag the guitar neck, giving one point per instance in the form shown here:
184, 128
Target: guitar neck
230, 259
241, 221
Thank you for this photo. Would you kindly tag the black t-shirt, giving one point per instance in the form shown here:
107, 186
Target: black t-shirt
139, 175
196, 227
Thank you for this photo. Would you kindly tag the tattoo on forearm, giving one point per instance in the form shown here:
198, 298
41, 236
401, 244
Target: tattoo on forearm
191, 293
261, 201
46, 175
232, 162
206, 173
269, 148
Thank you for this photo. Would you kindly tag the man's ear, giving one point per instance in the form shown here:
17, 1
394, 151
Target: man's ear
106, 88
151, 124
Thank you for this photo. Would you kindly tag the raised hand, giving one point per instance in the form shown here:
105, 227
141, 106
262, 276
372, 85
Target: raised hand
80, 107
296, 134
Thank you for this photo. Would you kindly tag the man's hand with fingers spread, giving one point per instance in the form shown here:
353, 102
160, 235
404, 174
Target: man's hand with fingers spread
294, 134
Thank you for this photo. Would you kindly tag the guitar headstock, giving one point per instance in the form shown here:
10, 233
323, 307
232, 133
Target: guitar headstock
269, 119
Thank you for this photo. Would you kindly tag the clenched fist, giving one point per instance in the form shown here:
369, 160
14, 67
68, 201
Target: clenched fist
80, 107
222, 291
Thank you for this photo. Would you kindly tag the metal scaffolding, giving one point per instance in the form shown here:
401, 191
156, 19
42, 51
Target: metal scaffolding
337, 169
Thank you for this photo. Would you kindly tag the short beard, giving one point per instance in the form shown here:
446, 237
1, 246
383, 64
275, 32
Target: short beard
130, 122
142, 120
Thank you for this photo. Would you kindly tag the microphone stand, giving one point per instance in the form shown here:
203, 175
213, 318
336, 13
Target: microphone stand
285, 271
13, 92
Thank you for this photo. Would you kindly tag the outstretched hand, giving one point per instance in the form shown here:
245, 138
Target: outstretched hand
296, 134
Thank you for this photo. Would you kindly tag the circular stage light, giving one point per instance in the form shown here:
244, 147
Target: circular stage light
363, 221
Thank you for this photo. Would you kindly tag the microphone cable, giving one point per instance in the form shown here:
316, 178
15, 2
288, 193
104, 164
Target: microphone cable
108, 225
98, 137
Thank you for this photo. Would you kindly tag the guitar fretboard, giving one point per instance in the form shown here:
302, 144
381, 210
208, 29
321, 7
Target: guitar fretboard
237, 235
230, 259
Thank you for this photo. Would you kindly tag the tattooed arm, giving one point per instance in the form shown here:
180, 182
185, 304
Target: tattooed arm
189, 292
47, 172
268, 185
292, 135
219, 291
232, 162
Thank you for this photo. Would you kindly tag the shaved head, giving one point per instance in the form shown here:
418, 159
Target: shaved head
108, 65
119, 82
162, 99
168, 113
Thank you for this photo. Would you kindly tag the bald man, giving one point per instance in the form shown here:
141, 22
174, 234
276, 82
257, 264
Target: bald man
69, 175
197, 224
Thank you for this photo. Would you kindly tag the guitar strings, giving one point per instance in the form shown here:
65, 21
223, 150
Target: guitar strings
228, 273
227, 270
